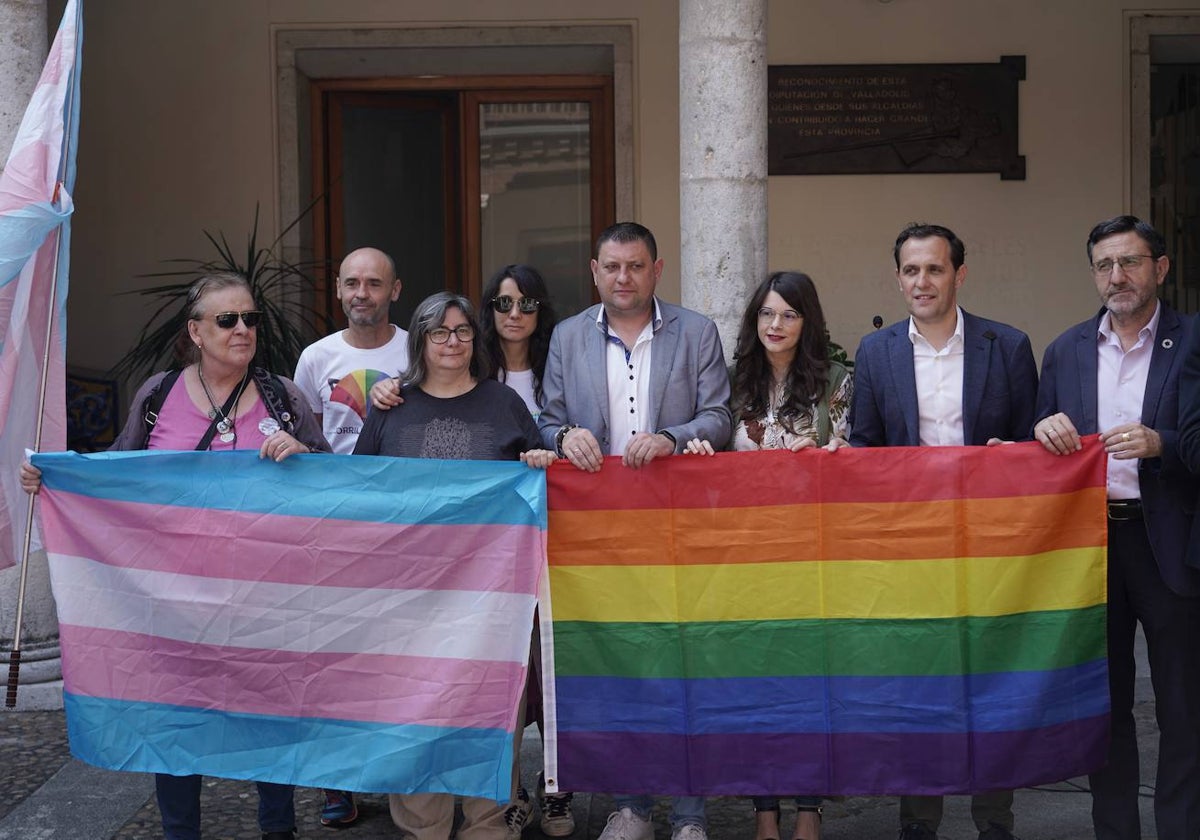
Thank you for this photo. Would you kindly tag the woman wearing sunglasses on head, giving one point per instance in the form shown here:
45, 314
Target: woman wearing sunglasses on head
452, 410
217, 401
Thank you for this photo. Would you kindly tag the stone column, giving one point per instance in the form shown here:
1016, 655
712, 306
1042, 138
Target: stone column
23, 47
722, 156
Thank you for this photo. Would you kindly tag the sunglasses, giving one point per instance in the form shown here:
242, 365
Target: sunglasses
504, 303
228, 320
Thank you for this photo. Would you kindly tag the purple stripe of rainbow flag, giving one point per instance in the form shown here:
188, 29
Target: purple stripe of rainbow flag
742, 624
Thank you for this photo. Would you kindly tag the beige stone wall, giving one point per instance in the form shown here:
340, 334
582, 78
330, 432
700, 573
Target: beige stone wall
1025, 239
178, 134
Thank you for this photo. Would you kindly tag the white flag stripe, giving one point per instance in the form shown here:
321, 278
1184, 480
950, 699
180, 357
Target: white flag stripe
279, 616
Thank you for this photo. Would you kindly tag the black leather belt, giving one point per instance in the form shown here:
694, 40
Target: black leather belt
1124, 510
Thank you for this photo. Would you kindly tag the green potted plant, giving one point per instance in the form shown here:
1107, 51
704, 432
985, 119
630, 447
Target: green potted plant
282, 289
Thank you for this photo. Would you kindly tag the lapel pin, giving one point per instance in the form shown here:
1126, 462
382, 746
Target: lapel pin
1167, 344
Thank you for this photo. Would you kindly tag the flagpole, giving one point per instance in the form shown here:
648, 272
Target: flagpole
14, 658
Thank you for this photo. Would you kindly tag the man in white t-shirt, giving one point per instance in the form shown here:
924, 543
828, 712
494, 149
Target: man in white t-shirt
336, 373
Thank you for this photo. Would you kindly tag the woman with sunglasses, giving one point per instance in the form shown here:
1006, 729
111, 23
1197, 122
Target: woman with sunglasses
517, 336
218, 401
517, 339
451, 410
786, 394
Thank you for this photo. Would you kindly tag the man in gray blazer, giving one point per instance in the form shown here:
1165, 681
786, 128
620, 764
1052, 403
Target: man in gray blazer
638, 378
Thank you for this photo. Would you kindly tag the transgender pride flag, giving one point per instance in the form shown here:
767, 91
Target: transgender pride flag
331, 621
872, 621
35, 242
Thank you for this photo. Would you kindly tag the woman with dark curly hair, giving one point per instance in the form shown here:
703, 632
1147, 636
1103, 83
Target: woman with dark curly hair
787, 394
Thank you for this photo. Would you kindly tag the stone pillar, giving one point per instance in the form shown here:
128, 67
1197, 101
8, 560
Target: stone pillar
23, 47
722, 156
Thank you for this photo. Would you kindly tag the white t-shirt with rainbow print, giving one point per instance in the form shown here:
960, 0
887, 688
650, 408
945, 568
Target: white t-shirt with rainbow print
336, 380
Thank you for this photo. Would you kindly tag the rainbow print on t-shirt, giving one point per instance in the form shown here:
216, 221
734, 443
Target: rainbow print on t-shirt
354, 389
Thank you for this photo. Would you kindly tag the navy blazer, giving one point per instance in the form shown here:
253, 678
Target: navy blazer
999, 386
1168, 490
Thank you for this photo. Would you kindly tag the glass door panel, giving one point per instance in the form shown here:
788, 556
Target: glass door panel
395, 188
535, 194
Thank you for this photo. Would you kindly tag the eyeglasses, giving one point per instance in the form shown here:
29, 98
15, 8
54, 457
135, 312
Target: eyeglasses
1104, 267
504, 303
228, 320
790, 316
440, 335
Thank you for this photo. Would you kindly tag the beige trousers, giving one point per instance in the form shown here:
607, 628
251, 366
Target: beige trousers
430, 816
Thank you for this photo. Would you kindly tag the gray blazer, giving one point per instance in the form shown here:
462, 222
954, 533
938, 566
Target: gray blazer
689, 387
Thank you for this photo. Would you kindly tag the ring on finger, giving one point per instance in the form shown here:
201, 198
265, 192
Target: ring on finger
1125, 436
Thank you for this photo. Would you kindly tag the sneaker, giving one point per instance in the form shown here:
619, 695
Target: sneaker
626, 825
689, 831
518, 814
916, 831
340, 810
557, 819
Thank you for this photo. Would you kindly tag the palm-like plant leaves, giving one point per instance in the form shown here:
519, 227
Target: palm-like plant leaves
280, 288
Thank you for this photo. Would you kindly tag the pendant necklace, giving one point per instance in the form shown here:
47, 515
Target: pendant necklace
225, 426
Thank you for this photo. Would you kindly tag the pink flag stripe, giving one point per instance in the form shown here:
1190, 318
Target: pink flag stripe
442, 624
362, 687
294, 549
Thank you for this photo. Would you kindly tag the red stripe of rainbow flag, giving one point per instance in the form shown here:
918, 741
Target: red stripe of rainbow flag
862, 622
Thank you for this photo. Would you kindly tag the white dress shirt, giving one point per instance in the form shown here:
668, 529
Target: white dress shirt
939, 376
1120, 389
628, 370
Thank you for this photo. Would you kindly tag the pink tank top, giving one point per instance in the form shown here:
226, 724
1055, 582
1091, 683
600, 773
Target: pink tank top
181, 425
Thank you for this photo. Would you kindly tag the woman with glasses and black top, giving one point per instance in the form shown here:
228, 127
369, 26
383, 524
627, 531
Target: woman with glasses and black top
452, 411
217, 401
515, 336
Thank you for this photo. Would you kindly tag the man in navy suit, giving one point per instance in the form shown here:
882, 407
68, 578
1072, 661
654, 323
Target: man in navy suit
942, 377
1118, 374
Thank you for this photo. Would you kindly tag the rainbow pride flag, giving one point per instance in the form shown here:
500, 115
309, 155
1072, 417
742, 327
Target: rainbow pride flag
923, 621
331, 621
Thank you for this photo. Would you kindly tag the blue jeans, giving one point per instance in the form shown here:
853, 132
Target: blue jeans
179, 802
685, 810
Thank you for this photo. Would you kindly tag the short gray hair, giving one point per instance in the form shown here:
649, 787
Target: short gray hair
429, 315
214, 282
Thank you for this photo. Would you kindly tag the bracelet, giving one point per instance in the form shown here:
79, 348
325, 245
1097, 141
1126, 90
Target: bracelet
668, 436
560, 437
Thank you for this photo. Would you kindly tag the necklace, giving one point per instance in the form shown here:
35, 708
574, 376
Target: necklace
226, 426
